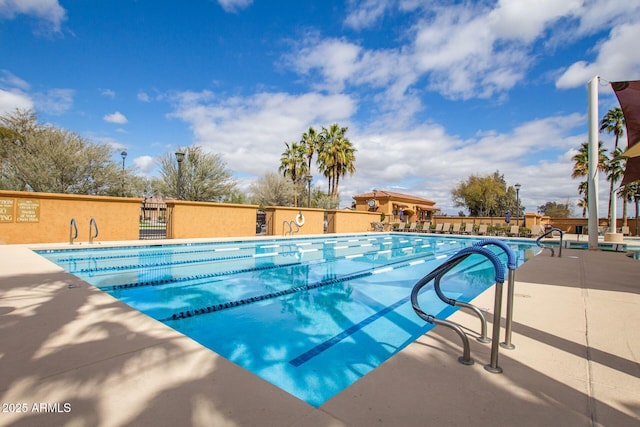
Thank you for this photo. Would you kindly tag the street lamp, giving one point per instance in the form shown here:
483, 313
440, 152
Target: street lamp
124, 156
179, 158
517, 187
636, 197
309, 178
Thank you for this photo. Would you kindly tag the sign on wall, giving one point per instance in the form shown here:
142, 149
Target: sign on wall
28, 210
6, 210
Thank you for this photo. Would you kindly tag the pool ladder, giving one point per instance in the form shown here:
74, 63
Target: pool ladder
73, 230
437, 274
547, 233
291, 224
93, 226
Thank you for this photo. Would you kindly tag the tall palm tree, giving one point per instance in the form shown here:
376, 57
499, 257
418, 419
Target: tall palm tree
336, 156
628, 194
293, 165
581, 166
613, 123
311, 141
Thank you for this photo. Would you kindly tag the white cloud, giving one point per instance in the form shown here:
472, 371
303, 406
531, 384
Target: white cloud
365, 13
54, 101
145, 163
108, 93
250, 132
143, 97
116, 117
48, 11
615, 61
9, 79
12, 99
234, 5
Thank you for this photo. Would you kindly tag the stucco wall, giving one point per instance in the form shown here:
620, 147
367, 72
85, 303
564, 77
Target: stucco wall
28, 217
278, 215
206, 219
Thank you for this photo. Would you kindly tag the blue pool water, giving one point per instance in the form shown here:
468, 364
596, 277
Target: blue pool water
310, 315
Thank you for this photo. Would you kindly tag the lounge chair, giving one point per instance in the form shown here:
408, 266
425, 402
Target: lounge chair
456, 228
445, 227
514, 231
438, 228
537, 230
482, 229
468, 228
412, 227
624, 230
401, 226
425, 227
377, 226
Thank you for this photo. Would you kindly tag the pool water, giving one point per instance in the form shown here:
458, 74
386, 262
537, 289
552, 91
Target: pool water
309, 315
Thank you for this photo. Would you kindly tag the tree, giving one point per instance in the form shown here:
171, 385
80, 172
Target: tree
202, 176
272, 190
613, 122
628, 193
555, 210
42, 158
336, 156
581, 169
293, 165
486, 195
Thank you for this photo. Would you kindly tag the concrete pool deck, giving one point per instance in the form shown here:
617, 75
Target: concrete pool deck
72, 355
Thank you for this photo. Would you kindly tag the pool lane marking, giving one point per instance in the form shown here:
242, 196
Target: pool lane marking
320, 348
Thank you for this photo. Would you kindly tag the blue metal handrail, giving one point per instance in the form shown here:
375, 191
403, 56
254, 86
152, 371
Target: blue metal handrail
548, 232
437, 274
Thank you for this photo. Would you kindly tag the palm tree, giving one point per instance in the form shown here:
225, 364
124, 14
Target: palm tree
293, 165
613, 122
628, 194
336, 156
581, 166
311, 141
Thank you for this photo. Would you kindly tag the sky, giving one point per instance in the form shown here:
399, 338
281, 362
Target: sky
431, 91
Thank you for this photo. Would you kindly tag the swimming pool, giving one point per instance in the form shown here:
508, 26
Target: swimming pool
310, 315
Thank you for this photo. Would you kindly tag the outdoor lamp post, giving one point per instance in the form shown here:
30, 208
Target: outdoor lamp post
309, 178
124, 156
179, 158
517, 187
636, 197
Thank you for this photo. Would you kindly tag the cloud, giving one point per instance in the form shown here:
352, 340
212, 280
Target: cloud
257, 126
615, 61
233, 6
9, 79
116, 117
143, 97
49, 12
54, 101
145, 164
108, 93
365, 13
10, 100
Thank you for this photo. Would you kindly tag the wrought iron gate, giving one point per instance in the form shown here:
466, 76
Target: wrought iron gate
155, 219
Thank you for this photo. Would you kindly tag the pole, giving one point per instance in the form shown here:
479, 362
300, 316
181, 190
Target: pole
592, 181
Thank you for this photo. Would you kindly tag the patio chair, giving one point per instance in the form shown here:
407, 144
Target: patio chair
445, 227
456, 228
537, 230
514, 231
624, 230
468, 228
401, 226
425, 227
438, 228
412, 227
482, 229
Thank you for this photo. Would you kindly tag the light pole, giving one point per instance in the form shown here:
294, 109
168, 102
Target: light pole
124, 156
309, 178
517, 187
636, 197
179, 158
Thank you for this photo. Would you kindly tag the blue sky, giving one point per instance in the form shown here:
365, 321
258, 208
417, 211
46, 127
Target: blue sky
432, 91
